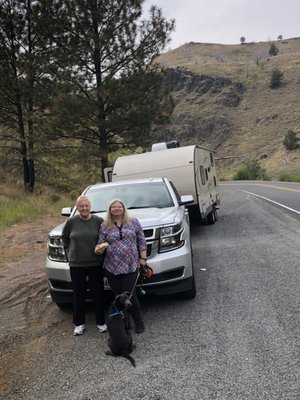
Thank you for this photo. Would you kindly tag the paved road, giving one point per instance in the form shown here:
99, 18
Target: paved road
237, 340
282, 194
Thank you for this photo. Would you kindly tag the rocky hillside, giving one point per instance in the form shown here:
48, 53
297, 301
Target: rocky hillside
223, 101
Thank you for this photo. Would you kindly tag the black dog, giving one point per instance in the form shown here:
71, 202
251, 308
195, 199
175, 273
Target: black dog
120, 339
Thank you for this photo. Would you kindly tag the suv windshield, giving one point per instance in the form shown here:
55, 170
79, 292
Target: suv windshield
141, 195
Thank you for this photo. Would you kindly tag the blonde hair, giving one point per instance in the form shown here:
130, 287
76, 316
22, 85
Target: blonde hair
82, 198
108, 220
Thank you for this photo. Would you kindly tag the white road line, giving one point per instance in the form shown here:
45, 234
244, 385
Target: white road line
271, 201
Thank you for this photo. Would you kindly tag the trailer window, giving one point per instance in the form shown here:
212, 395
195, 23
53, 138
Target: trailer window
202, 175
211, 159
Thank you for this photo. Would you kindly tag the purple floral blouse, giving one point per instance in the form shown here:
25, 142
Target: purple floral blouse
125, 243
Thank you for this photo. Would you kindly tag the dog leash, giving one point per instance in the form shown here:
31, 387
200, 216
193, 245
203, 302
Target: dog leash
135, 283
134, 286
141, 272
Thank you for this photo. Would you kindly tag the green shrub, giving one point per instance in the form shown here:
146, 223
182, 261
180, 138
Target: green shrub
250, 170
276, 78
290, 177
273, 51
291, 141
242, 174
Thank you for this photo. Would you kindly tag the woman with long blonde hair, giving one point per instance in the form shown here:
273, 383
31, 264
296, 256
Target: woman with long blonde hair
125, 250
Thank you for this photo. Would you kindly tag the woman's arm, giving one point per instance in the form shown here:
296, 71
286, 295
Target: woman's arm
141, 243
102, 244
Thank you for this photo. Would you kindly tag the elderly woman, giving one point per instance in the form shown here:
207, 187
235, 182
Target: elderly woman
125, 251
80, 235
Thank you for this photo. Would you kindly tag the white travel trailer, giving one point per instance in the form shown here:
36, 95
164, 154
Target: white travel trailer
191, 169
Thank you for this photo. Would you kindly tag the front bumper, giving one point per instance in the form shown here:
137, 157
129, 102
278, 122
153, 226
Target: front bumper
172, 273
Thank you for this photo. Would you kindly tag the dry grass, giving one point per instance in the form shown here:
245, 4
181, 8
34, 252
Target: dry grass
260, 122
18, 207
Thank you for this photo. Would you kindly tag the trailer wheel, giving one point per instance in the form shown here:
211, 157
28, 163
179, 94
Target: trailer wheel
212, 217
216, 214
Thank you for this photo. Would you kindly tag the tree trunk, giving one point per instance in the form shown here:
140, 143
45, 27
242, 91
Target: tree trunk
103, 154
27, 162
31, 176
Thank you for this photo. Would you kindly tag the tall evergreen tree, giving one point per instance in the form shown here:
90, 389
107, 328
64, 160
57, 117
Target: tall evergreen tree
104, 52
24, 87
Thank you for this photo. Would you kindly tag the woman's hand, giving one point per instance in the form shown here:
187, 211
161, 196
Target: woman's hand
143, 262
100, 248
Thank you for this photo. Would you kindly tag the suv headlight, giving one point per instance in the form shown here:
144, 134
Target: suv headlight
56, 250
170, 238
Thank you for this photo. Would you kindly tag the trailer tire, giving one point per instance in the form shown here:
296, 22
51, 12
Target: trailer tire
212, 217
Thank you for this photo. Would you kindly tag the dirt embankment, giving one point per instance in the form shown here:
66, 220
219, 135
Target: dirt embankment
24, 300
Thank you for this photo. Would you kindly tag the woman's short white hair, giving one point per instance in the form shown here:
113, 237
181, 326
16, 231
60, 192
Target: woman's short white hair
81, 199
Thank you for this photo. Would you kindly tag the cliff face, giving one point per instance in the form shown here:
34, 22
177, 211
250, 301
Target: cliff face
223, 101
184, 81
201, 103
195, 97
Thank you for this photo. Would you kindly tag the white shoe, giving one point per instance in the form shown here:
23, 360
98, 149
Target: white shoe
102, 328
79, 330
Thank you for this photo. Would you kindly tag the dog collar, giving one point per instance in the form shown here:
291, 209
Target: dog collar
115, 314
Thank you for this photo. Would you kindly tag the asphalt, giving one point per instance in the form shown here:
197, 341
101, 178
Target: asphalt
237, 340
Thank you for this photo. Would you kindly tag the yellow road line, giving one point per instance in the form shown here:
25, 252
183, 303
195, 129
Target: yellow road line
263, 185
278, 187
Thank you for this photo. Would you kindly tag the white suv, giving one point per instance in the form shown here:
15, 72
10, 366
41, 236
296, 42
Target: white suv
165, 221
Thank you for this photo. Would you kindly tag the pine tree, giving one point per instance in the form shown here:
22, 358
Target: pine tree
113, 91
276, 78
24, 87
273, 51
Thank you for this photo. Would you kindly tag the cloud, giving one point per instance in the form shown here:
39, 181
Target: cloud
225, 21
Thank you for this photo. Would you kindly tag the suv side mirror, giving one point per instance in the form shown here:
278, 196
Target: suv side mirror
186, 199
66, 211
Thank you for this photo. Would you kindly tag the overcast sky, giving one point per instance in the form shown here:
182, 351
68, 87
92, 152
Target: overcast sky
225, 21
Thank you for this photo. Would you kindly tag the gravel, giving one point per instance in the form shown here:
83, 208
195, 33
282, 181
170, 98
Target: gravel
238, 339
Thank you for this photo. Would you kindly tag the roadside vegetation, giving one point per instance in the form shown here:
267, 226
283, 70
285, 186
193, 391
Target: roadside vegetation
250, 170
291, 141
290, 177
18, 207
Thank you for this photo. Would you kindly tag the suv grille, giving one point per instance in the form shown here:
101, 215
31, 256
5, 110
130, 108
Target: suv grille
149, 248
148, 232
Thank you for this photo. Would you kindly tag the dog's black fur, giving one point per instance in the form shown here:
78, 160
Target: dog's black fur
120, 338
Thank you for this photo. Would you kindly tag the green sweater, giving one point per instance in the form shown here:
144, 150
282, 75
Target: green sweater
80, 238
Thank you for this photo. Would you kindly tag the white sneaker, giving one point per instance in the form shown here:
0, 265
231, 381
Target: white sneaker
79, 330
102, 328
